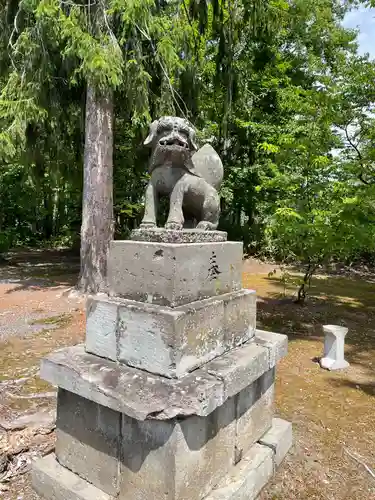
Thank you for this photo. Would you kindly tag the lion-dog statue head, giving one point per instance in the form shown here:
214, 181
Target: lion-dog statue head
172, 140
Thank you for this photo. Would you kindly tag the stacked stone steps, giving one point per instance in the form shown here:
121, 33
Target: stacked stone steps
171, 397
244, 482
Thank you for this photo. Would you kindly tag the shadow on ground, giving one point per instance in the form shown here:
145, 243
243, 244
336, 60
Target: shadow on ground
35, 269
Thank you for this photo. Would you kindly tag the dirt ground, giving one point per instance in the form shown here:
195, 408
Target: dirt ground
333, 414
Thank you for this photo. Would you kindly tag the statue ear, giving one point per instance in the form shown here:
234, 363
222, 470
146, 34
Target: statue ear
192, 138
151, 133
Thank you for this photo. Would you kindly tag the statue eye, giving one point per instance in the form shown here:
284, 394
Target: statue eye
164, 127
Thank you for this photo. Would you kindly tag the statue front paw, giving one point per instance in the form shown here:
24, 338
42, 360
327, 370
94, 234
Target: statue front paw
174, 226
206, 226
147, 225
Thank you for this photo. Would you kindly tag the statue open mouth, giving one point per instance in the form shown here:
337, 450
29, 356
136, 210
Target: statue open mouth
174, 142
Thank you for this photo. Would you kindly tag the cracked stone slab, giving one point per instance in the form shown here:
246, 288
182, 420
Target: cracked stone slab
245, 481
143, 395
247, 478
53, 481
161, 235
136, 393
276, 343
239, 368
279, 439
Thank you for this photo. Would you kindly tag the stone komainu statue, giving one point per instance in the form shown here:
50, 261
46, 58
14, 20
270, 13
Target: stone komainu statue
189, 177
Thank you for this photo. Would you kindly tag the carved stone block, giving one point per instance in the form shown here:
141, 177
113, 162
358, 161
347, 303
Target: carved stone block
173, 274
169, 341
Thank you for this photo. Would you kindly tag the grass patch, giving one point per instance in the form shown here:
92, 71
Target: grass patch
60, 320
21, 356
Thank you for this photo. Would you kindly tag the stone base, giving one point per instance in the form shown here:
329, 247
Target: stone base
52, 481
161, 235
135, 435
334, 364
250, 476
279, 438
142, 395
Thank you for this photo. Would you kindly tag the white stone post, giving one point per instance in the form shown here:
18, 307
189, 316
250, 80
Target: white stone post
334, 342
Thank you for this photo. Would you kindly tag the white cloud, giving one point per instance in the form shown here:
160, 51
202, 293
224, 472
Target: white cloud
364, 20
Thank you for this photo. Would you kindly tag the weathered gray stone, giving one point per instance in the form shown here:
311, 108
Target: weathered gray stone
52, 481
177, 459
276, 343
254, 412
201, 330
101, 324
143, 395
244, 482
173, 439
146, 337
190, 181
160, 235
247, 478
279, 438
88, 440
205, 451
169, 341
239, 368
239, 317
173, 274
128, 390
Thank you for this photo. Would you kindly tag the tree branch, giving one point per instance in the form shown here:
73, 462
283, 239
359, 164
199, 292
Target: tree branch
358, 460
359, 154
354, 146
173, 91
362, 179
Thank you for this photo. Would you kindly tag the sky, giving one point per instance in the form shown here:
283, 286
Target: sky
364, 19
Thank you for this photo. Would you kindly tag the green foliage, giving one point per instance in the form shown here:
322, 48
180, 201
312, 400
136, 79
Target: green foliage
332, 226
277, 87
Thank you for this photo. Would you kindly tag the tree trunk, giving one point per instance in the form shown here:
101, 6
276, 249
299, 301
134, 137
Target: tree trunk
48, 212
301, 296
97, 208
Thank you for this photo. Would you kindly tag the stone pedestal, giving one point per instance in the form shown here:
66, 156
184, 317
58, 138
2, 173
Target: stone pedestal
334, 343
171, 397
